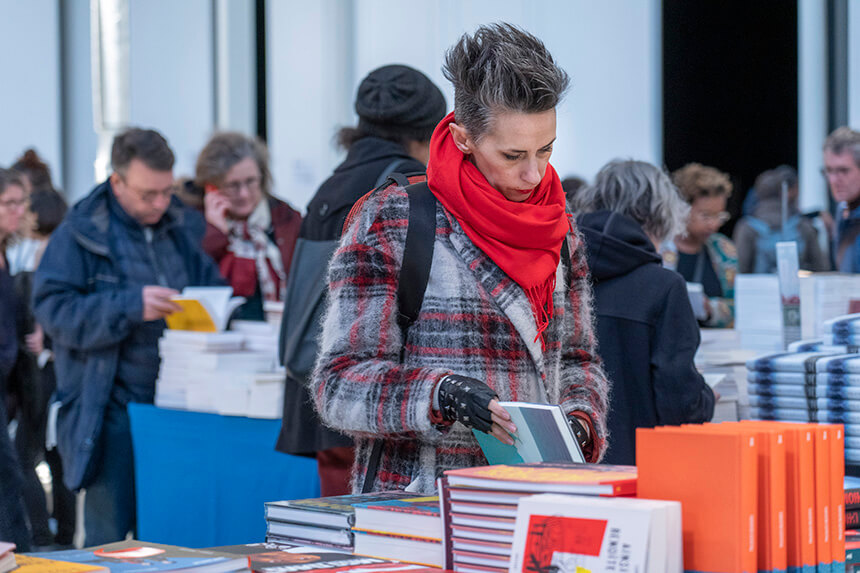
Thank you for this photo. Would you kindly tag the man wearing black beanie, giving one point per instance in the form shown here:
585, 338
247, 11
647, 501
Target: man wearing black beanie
398, 107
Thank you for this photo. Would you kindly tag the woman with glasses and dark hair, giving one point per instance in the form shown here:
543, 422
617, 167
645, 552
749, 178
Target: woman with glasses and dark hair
701, 254
506, 313
249, 233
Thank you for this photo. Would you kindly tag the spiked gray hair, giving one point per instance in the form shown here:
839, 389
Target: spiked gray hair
501, 67
640, 191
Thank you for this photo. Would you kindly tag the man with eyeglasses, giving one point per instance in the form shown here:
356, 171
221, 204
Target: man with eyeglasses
842, 170
101, 292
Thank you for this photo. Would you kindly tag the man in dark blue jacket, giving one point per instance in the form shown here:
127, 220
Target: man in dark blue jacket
101, 292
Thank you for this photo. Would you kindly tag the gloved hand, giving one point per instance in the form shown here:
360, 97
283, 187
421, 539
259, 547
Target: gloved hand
580, 432
466, 400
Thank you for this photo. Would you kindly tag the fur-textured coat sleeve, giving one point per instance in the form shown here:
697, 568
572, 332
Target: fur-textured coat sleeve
359, 385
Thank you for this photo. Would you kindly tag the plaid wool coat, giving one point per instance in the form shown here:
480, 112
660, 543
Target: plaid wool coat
474, 321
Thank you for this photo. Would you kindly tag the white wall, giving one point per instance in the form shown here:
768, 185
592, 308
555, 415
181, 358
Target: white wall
611, 49
172, 73
854, 63
30, 92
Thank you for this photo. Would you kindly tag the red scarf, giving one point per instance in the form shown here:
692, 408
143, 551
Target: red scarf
523, 239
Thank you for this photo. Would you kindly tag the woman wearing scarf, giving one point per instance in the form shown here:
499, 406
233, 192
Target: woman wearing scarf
249, 233
502, 318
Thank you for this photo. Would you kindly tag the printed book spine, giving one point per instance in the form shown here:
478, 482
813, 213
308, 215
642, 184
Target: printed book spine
445, 510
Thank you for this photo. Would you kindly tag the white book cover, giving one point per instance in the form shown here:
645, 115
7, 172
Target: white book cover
575, 534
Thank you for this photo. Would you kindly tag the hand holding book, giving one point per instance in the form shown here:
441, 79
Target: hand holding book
475, 405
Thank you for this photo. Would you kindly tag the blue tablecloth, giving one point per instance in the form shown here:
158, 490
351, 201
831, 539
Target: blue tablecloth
202, 479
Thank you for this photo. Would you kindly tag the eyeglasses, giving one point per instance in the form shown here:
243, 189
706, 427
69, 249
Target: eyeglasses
835, 171
720, 217
233, 188
150, 195
14, 203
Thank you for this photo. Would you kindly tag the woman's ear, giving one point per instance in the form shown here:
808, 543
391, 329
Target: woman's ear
461, 137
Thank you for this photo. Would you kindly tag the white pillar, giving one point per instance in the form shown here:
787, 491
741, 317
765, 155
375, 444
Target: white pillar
812, 101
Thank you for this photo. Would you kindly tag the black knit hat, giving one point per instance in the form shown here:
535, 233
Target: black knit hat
399, 99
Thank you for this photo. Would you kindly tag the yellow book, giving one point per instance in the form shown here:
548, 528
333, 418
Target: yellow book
204, 309
27, 564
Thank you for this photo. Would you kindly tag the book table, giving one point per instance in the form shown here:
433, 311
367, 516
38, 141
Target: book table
202, 479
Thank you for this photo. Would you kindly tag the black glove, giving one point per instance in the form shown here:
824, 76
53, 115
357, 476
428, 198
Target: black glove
579, 432
466, 400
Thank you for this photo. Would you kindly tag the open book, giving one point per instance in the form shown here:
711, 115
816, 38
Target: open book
204, 309
543, 435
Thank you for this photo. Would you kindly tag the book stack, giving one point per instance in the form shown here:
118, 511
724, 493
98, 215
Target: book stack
764, 496
7, 557
581, 533
323, 521
479, 505
842, 331
408, 529
259, 336
212, 372
758, 313
809, 387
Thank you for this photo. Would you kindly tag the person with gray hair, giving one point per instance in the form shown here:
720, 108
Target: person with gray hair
647, 347
842, 170
506, 314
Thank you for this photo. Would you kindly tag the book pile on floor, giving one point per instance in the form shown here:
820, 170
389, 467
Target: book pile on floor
326, 521
480, 505
764, 496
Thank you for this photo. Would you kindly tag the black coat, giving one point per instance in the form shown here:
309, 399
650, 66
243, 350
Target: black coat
301, 431
647, 334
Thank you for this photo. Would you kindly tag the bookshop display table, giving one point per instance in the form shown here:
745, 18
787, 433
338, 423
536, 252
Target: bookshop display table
202, 479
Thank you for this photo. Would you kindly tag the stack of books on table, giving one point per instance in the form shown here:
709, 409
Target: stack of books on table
408, 529
480, 505
755, 496
213, 372
325, 521
259, 336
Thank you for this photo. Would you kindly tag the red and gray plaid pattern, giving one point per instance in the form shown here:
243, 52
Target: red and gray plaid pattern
475, 321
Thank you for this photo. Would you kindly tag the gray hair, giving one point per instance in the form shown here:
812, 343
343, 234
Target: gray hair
226, 149
639, 190
844, 139
501, 67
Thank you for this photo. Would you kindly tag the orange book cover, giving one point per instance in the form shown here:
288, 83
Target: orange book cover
837, 496
823, 550
715, 477
29, 564
800, 492
772, 551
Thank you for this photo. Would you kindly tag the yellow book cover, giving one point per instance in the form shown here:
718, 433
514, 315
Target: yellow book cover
193, 316
27, 564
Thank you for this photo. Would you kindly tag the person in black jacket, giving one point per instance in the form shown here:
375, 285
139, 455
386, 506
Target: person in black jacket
646, 329
398, 107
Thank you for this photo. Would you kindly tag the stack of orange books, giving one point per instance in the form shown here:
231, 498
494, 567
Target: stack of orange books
755, 496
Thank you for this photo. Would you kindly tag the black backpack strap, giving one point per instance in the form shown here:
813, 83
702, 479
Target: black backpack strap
390, 171
417, 254
414, 275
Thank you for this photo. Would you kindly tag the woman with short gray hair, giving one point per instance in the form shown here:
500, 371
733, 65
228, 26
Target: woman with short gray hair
647, 347
506, 314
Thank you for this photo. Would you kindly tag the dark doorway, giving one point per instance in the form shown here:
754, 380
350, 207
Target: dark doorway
730, 88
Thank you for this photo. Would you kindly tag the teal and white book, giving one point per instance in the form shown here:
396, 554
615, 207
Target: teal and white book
543, 435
